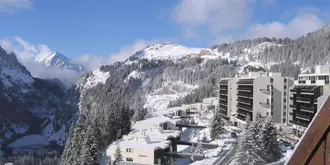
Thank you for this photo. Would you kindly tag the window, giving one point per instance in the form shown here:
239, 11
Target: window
284, 100
285, 80
129, 150
284, 120
284, 86
129, 159
143, 156
284, 113
284, 93
271, 80
284, 107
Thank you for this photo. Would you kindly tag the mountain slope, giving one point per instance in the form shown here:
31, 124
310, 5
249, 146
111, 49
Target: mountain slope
58, 60
30, 105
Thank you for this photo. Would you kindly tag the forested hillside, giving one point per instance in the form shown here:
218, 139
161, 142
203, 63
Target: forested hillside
125, 91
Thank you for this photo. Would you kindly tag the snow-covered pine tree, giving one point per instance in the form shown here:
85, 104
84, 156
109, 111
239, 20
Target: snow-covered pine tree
193, 134
257, 134
217, 126
204, 138
199, 148
118, 156
90, 153
270, 143
248, 155
72, 151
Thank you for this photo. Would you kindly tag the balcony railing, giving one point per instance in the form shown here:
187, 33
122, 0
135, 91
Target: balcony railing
307, 109
299, 123
245, 94
303, 117
245, 100
244, 107
240, 117
265, 91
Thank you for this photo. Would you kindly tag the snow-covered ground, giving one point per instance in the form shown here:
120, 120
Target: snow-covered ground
10, 77
169, 51
96, 78
59, 136
160, 98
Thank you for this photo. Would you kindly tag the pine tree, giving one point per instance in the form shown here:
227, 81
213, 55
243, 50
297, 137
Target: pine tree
257, 134
118, 156
90, 153
248, 155
270, 143
199, 148
217, 126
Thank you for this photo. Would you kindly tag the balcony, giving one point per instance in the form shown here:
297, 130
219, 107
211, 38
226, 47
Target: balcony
303, 117
223, 94
307, 99
265, 104
245, 107
244, 89
293, 106
265, 91
307, 109
245, 94
223, 107
240, 117
299, 123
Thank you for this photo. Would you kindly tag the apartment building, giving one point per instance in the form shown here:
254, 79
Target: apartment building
266, 93
307, 96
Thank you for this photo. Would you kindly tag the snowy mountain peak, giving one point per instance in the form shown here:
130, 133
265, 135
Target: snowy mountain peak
58, 60
170, 51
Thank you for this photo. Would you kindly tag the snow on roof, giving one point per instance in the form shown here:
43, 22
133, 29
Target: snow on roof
156, 133
142, 141
155, 121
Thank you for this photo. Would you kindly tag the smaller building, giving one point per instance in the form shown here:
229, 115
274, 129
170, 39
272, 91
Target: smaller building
163, 122
146, 146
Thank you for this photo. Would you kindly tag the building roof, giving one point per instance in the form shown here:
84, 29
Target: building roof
156, 133
142, 141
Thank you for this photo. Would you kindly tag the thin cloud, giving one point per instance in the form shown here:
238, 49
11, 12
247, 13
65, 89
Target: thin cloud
216, 16
27, 54
300, 25
11, 6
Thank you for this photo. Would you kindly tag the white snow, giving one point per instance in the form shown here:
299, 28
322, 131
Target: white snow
160, 98
15, 76
168, 51
135, 74
29, 141
59, 136
96, 78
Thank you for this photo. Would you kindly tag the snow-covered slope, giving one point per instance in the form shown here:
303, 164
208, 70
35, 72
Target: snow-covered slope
170, 51
249, 56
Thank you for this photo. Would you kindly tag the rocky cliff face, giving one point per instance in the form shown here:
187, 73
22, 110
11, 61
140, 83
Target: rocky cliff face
30, 105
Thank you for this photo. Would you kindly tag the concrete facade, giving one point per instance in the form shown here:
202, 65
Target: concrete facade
255, 93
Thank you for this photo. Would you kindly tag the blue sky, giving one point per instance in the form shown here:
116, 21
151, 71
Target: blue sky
106, 28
